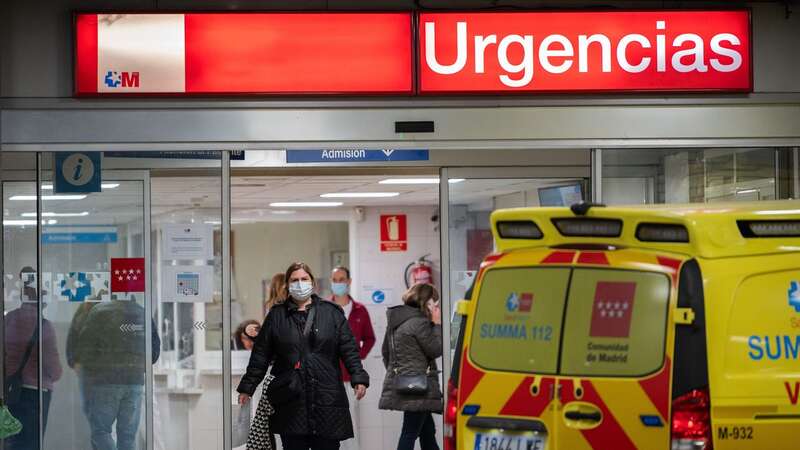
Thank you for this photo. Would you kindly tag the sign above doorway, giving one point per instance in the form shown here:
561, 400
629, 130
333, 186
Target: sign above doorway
485, 52
243, 53
584, 51
355, 155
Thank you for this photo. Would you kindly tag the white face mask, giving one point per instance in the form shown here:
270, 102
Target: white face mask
301, 290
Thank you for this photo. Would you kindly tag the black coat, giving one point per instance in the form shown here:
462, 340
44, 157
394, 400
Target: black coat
323, 410
418, 342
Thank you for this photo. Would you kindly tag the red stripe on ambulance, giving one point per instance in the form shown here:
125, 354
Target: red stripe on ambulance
673, 264
598, 258
489, 261
609, 434
470, 377
657, 389
559, 258
523, 403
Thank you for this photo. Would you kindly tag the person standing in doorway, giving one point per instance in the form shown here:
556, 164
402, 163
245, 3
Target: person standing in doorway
361, 327
304, 338
110, 356
412, 343
276, 294
22, 364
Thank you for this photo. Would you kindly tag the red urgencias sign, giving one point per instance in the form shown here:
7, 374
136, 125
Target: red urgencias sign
584, 51
371, 53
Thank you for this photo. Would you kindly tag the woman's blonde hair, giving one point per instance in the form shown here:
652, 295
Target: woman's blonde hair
419, 295
277, 287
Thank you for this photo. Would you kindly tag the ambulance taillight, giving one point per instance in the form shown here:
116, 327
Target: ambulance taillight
691, 421
450, 417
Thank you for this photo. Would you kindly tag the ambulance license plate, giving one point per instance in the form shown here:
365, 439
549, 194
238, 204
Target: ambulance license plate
506, 441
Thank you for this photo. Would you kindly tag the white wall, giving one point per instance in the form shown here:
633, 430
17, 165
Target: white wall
380, 430
263, 249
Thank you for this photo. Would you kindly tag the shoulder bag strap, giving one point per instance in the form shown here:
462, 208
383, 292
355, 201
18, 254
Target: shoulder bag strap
392, 353
306, 332
28, 350
309, 322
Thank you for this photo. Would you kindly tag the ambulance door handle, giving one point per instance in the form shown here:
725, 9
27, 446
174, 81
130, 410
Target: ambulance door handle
583, 416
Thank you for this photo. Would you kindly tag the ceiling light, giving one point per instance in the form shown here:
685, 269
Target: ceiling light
418, 181
410, 181
49, 187
18, 222
360, 195
22, 223
52, 214
282, 212
48, 197
305, 204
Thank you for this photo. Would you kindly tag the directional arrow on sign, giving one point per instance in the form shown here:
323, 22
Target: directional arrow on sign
388, 152
130, 328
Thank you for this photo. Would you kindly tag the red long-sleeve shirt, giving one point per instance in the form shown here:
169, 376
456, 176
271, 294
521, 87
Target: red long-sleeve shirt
361, 326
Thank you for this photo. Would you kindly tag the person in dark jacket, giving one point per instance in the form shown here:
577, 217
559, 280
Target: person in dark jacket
318, 417
417, 329
109, 356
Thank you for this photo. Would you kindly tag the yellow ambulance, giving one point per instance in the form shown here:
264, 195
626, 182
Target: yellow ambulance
612, 328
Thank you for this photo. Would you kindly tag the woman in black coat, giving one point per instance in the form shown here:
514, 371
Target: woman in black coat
311, 409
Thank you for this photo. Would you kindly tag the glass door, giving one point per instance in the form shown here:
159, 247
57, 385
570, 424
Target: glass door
98, 354
469, 196
114, 340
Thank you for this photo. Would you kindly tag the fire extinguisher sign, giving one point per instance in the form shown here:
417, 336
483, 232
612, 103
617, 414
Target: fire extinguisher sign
394, 233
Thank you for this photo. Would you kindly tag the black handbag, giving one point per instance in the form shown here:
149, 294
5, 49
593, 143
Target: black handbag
413, 384
13, 387
288, 386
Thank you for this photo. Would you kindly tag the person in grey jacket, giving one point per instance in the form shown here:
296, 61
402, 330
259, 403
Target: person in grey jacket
417, 329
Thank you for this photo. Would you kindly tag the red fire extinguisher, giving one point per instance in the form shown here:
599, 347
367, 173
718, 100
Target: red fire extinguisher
419, 271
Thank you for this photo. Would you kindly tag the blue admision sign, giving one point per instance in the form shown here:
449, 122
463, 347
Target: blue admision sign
355, 155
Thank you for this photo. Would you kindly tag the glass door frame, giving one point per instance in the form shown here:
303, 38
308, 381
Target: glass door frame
446, 174
37, 177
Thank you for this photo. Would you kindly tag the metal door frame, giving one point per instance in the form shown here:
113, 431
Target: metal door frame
449, 173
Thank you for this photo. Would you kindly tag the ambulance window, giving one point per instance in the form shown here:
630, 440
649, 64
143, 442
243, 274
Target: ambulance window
616, 323
518, 318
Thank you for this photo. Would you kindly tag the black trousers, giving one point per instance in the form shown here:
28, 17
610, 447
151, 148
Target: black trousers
308, 443
27, 412
418, 425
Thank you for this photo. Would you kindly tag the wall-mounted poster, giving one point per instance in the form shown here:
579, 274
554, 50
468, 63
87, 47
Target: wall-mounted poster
188, 242
187, 284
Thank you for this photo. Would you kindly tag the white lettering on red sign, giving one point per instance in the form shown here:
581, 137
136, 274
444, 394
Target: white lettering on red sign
475, 52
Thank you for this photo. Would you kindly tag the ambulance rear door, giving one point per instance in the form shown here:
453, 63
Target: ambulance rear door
615, 366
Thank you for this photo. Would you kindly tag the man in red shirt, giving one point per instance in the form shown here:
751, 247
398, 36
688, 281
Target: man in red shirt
361, 326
